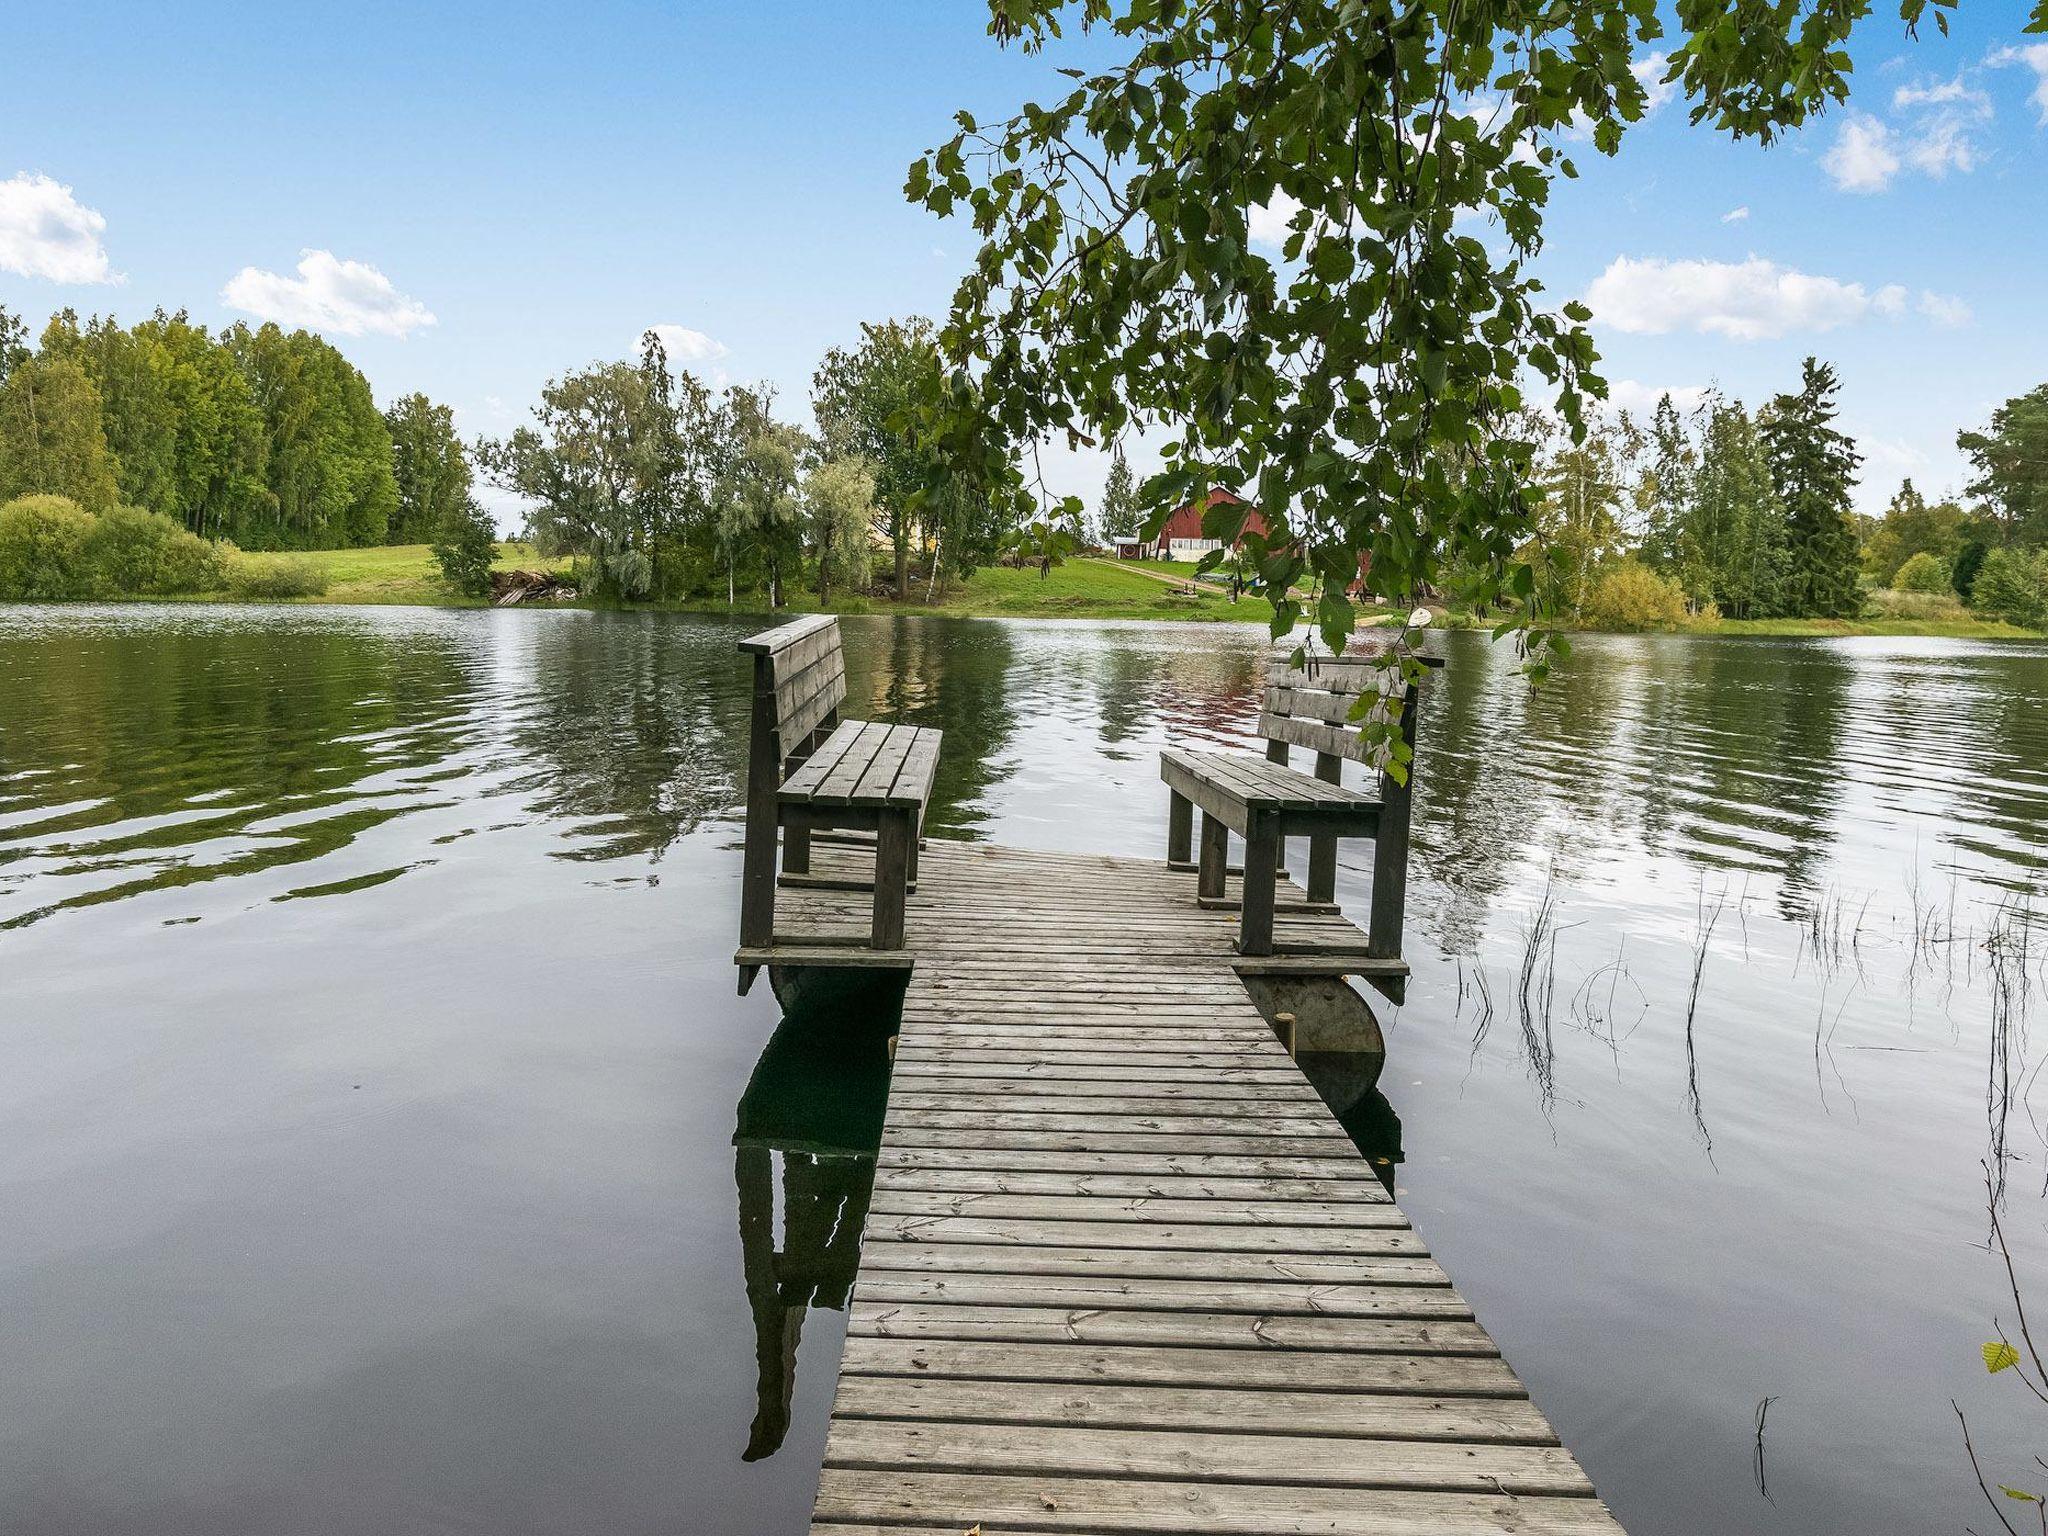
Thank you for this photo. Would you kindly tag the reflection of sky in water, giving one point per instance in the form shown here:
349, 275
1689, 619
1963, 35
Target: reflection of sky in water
482, 865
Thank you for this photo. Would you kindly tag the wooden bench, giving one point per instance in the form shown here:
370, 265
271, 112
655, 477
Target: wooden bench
861, 776
1266, 802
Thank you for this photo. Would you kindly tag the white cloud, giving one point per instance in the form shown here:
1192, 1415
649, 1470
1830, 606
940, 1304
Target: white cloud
46, 232
1641, 399
1748, 300
1649, 73
1890, 299
349, 297
1943, 308
2035, 57
1943, 94
687, 346
1862, 158
1944, 144
1735, 215
1268, 221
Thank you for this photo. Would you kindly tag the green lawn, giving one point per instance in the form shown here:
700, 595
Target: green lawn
406, 573
1077, 589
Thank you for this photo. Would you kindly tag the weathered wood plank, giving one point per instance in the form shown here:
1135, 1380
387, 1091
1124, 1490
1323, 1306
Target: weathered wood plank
1153, 1264
1258, 1298
1376, 1335
1299, 1460
1364, 1415
1215, 1237
1143, 1210
1434, 1375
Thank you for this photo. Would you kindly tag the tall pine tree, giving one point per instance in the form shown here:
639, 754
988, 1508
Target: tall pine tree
1119, 517
1813, 470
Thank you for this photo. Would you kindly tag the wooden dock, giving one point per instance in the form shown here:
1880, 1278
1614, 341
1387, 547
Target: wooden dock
1122, 1270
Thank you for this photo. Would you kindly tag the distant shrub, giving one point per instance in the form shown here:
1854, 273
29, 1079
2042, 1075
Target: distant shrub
466, 544
1627, 594
2012, 585
270, 577
1969, 560
45, 550
142, 554
1886, 603
1924, 572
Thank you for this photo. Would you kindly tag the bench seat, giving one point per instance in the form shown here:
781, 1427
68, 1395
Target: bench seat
1236, 786
866, 763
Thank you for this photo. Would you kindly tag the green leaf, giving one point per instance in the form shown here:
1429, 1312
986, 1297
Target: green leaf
2000, 1356
2020, 1494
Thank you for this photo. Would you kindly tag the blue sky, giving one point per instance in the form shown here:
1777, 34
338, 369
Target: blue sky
545, 181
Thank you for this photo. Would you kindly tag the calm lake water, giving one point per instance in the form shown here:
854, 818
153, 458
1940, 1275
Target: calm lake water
380, 1152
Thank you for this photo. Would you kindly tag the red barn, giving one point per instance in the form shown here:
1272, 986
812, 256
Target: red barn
1181, 536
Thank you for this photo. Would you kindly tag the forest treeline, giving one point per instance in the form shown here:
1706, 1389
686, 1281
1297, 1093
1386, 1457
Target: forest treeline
667, 488
1720, 511
677, 490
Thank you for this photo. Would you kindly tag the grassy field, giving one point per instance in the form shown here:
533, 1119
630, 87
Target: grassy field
1078, 589
406, 573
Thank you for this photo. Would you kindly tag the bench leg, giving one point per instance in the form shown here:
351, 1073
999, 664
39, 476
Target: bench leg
893, 839
1215, 856
1261, 861
796, 842
916, 842
1180, 828
1322, 851
1322, 868
757, 881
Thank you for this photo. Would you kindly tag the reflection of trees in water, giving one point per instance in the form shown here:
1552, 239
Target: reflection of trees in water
1727, 756
1739, 758
953, 674
213, 732
1969, 733
635, 728
1195, 694
814, 1102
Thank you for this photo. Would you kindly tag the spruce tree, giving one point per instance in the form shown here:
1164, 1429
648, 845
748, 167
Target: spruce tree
1813, 469
1119, 501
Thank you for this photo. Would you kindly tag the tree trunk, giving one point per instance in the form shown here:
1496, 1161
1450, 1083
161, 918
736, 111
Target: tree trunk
902, 567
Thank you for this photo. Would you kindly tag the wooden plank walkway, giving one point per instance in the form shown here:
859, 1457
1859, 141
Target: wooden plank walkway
1122, 1270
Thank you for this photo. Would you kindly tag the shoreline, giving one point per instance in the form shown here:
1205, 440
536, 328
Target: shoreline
1081, 588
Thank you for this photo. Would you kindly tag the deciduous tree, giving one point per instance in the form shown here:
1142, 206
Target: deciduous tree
1362, 380
50, 436
430, 469
2011, 459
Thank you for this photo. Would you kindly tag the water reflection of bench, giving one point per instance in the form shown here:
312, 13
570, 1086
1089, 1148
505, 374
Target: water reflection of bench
814, 1101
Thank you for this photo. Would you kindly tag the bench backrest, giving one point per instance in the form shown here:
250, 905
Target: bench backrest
799, 684
1310, 706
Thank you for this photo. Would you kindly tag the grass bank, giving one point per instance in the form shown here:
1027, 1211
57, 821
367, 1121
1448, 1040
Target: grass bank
1078, 589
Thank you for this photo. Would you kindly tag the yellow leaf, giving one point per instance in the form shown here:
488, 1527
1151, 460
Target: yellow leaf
2000, 1356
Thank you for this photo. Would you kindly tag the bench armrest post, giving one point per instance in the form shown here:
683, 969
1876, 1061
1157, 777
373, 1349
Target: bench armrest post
764, 776
1390, 850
